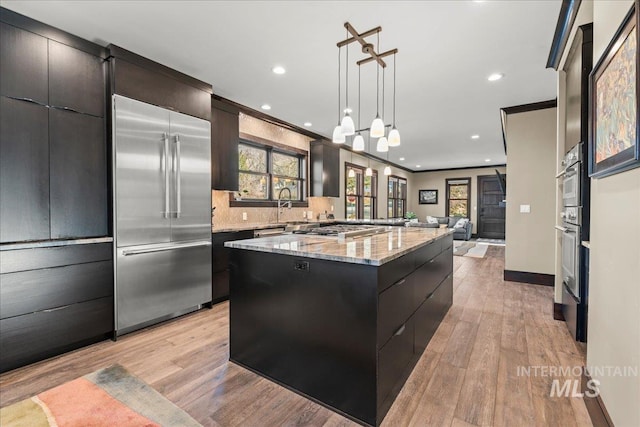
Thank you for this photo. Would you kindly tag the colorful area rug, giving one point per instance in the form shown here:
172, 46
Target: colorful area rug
470, 249
108, 397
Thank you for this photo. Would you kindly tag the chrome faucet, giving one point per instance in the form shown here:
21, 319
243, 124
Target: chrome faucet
282, 203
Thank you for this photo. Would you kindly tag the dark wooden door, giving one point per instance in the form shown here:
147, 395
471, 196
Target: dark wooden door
491, 217
23, 64
78, 175
24, 171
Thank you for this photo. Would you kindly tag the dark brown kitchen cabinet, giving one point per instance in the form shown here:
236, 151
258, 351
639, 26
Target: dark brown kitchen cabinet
24, 171
325, 169
76, 79
23, 66
78, 175
225, 134
220, 261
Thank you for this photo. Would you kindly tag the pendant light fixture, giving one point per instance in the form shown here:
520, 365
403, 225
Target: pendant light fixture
338, 136
394, 135
358, 141
348, 128
377, 126
368, 171
383, 144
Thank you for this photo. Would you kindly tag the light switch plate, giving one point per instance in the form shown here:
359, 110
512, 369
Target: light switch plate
525, 208
244, 216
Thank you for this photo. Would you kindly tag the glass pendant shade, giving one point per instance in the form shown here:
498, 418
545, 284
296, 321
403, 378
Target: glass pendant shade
338, 136
383, 145
387, 170
348, 128
368, 172
394, 137
377, 128
358, 143
352, 173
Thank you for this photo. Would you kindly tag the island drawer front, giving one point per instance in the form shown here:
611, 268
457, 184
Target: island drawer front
31, 337
393, 359
431, 312
446, 242
395, 306
427, 253
431, 274
29, 291
57, 256
395, 270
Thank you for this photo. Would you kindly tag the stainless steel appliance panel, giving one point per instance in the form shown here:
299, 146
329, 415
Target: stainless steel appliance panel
191, 178
571, 186
141, 161
155, 281
570, 259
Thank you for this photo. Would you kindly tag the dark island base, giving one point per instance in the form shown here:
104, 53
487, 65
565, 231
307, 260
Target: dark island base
344, 335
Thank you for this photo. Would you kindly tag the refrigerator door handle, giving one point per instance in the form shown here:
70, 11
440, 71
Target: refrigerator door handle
165, 248
178, 178
167, 178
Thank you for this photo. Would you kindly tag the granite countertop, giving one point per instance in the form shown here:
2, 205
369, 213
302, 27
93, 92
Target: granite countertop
375, 250
265, 226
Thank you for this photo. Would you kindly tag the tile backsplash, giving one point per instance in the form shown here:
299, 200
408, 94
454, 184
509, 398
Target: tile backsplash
225, 216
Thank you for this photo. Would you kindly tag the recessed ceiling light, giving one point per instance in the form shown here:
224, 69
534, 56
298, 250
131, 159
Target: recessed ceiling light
475, 136
402, 159
418, 166
348, 110
266, 107
278, 69
495, 76
307, 124
487, 160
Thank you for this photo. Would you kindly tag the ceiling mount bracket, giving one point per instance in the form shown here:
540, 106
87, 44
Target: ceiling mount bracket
367, 47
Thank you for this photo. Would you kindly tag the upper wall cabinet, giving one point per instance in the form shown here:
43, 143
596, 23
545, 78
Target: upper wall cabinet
225, 134
140, 78
53, 156
23, 69
325, 169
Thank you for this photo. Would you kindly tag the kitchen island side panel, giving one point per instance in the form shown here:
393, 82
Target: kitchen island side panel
309, 324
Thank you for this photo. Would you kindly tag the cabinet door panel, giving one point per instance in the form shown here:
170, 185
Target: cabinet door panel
36, 336
393, 359
224, 150
23, 64
29, 291
79, 205
76, 79
24, 171
395, 306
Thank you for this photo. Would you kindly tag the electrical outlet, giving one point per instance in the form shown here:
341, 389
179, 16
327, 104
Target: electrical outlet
244, 216
304, 214
525, 208
331, 208
309, 214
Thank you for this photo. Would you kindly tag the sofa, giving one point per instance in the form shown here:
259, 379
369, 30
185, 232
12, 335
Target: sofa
459, 233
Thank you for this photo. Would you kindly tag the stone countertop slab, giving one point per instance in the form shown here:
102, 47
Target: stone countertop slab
376, 249
266, 226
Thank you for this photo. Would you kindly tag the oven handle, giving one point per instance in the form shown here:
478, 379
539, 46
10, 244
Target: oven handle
563, 229
566, 287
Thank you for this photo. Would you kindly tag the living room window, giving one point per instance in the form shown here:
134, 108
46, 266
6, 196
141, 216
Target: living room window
265, 170
458, 197
361, 193
396, 197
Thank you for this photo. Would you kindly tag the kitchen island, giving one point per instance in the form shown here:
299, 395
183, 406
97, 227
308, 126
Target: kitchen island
341, 321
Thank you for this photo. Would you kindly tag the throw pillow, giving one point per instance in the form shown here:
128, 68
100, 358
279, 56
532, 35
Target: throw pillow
453, 220
432, 220
461, 223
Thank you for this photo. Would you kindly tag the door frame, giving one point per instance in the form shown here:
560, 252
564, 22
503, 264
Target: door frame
479, 204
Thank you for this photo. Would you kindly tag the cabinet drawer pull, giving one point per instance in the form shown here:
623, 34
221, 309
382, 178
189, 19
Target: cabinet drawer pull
401, 282
431, 261
51, 310
28, 100
400, 330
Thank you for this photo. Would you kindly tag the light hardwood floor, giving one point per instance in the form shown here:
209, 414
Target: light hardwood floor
468, 375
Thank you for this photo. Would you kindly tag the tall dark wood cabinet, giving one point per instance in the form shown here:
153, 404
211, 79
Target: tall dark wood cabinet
325, 169
56, 270
225, 134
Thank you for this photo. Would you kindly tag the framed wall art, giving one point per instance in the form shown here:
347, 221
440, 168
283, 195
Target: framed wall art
428, 197
614, 90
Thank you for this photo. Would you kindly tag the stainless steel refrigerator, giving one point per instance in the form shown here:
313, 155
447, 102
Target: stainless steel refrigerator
162, 213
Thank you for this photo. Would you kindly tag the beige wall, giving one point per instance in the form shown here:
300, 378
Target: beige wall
531, 170
436, 181
614, 287
225, 215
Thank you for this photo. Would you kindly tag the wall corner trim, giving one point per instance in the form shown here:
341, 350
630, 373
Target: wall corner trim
566, 18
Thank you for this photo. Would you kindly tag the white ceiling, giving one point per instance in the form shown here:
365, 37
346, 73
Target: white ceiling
447, 49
